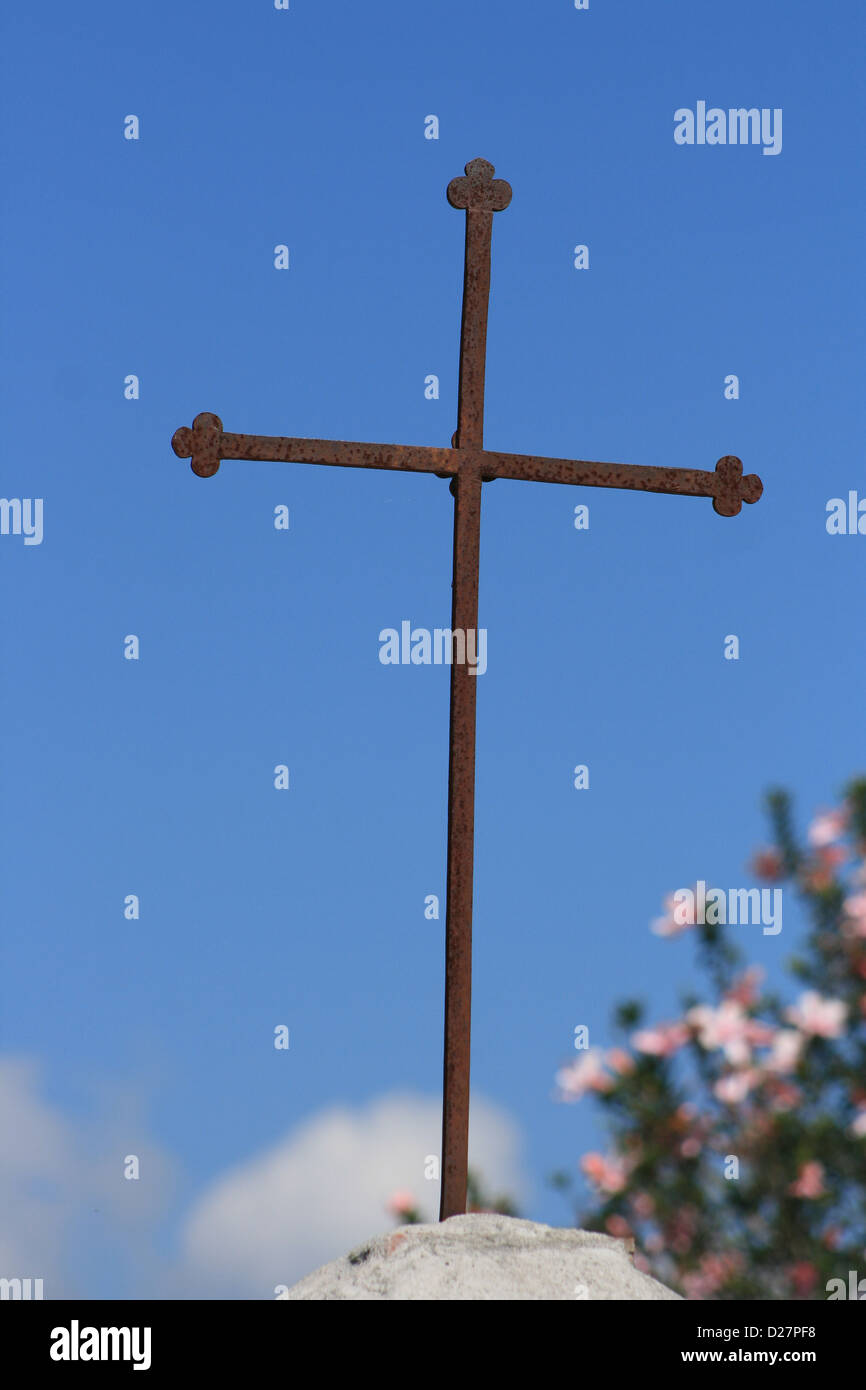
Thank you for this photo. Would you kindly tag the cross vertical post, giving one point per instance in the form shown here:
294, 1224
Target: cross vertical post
480, 195
461, 851
468, 465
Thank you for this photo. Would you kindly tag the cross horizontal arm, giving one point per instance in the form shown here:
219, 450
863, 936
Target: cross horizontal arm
726, 484
207, 444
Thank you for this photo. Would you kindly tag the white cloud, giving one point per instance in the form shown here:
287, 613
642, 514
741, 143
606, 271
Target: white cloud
323, 1189
67, 1213
35, 1144
69, 1217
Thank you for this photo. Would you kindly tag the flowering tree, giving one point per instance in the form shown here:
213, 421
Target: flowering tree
738, 1158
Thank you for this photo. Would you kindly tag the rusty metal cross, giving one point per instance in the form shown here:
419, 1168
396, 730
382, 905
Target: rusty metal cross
468, 465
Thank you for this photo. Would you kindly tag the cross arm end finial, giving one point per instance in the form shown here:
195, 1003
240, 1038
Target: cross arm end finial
733, 488
201, 444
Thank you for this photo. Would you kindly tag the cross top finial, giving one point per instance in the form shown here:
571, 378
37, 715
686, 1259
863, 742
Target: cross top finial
478, 190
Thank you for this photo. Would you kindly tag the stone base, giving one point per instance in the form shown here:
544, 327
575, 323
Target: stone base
484, 1257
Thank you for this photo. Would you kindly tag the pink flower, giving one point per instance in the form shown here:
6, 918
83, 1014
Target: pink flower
712, 1273
855, 914
760, 1034
585, 1073
728, 1027
786, 1051
817, 1016
733, 1088
618, 1226
671, 924
661, 1041
608, 1174
643, 1205
810, 1181
819, 872
831, 856
804, 1277
783, 1096
767, 864
680, 1229
400, 1203
620, 1061
744, 990
827, 827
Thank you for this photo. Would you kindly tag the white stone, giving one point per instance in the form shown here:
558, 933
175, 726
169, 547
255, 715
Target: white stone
484, 1257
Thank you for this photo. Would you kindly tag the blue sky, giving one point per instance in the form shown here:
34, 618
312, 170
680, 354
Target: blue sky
260, 647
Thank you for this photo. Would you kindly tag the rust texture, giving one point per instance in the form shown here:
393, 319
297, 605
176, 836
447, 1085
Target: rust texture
480, 194
726, 484
468, 465
206, 444
461, 848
